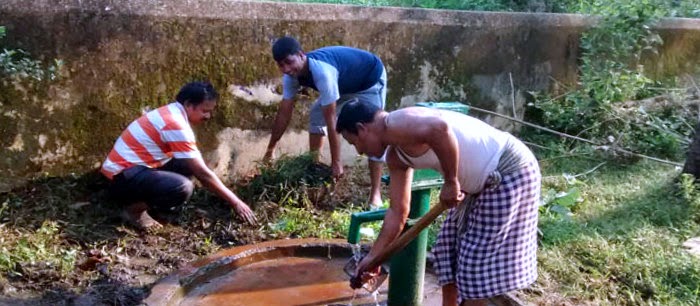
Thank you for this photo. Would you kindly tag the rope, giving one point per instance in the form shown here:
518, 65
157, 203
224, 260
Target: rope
596, 145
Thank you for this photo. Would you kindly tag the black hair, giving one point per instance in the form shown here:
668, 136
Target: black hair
285, 46
355, 112
196, 93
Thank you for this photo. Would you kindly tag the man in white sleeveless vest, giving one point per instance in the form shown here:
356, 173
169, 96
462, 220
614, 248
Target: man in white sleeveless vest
487, 245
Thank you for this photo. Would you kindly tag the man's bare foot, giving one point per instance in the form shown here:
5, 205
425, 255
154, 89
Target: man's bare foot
375, 202
137, 216
164, 216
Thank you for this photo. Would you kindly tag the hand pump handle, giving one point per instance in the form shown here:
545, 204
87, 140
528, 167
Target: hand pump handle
409, 235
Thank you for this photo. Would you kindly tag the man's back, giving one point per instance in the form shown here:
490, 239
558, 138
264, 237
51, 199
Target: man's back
356, 69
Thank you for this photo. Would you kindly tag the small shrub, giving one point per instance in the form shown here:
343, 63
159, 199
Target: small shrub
687, 189
611, 72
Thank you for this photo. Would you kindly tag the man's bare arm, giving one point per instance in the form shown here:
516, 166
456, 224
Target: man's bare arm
213, 183
397, 213
333, 139
284, 114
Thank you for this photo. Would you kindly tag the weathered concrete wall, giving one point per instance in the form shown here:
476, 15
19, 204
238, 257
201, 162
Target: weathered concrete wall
124, 56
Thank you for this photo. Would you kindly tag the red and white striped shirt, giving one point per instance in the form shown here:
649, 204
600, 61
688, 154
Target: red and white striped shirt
153, 140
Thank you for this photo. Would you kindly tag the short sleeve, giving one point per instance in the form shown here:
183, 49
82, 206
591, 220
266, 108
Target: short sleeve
290, 87
326, 81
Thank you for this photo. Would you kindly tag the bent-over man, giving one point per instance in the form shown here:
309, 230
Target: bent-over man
487, 245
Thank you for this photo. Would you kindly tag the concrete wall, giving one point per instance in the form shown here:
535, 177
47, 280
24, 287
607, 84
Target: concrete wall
125, 56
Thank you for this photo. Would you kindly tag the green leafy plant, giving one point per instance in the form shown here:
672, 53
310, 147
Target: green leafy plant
18, 63
612, 73
560, 199
687, 189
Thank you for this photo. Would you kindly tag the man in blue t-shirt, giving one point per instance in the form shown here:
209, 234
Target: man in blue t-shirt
339, 74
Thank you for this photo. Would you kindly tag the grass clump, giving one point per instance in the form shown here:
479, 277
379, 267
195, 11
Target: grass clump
292, 181
304, 223
299, 198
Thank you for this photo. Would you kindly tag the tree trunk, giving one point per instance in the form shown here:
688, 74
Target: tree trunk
692, 162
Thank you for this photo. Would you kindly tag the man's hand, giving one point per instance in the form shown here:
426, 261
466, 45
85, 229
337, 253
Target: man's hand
269, 154
450, 194
337, 170
364, 273
333, 141
245, 213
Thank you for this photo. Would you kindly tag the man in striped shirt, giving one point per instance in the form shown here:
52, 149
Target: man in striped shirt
153, 160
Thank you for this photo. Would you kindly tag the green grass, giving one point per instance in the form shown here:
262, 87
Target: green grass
38, 248
477, 5
622, 242
305, 223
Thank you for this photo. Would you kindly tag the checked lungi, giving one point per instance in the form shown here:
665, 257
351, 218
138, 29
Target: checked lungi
492, 250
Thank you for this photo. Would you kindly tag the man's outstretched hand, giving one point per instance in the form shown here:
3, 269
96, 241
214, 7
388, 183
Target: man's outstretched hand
245, 213
269, 155
338, 170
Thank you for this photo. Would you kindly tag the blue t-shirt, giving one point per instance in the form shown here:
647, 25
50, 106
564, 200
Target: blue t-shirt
336, 71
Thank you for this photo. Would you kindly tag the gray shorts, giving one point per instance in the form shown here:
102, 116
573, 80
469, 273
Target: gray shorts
375, 95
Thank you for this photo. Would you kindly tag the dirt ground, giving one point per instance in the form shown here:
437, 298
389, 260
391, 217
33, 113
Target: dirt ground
115, 264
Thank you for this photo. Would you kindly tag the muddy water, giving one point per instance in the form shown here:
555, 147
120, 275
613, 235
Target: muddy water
282, 281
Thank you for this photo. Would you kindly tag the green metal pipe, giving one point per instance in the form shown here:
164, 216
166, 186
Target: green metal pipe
408, 266
356, 220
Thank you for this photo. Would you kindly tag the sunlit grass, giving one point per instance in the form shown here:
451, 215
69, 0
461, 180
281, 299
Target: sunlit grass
622, 245
304, 223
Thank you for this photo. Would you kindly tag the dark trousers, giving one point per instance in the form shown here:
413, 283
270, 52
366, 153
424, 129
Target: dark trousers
162, 189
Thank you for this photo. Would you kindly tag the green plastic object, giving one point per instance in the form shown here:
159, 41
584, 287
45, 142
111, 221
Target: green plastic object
422, 179
426, 179
453, 106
